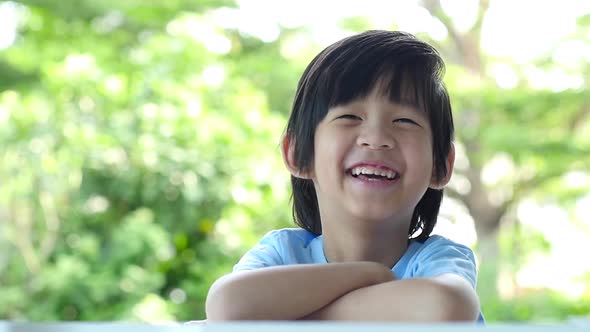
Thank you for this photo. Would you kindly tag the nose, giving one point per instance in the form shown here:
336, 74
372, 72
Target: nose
375, 136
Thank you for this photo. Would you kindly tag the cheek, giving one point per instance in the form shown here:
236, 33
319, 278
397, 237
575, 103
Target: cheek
420, 152
328, 145
328, 159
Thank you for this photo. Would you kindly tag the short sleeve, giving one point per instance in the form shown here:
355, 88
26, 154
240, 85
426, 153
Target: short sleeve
265, 253
440, 256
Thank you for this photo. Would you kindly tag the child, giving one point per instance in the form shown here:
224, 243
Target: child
368, 144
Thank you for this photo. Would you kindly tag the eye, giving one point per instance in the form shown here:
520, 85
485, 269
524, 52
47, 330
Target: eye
405, 121
349, 117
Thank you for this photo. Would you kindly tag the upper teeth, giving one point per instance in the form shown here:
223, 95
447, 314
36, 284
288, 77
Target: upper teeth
373, 171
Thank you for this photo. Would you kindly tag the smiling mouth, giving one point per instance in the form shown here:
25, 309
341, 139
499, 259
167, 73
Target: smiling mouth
373, 175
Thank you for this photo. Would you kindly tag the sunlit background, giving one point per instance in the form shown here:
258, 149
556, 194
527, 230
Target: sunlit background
139, 146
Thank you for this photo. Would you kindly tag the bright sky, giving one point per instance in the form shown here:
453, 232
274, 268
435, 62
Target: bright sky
514, 32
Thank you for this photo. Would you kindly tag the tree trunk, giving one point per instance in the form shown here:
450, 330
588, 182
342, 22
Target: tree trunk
487, 220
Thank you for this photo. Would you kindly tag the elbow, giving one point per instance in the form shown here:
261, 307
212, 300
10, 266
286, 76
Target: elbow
214, 306
459, 305
215, 310
220, 305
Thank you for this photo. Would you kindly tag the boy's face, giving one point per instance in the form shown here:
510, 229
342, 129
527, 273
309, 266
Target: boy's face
373, 161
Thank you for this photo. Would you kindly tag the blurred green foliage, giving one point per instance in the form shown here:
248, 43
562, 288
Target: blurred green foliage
140, 158
119, 161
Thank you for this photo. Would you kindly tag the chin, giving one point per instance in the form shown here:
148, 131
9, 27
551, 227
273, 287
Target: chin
379, 216
372, 215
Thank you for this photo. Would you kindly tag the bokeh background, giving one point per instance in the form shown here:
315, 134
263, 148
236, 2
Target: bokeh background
139, 146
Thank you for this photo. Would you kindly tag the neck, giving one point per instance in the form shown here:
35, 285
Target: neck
367, 241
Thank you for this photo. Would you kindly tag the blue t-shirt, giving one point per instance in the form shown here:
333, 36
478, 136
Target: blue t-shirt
435, 256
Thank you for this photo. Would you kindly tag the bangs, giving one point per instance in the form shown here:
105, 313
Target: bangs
398, 87
402, 83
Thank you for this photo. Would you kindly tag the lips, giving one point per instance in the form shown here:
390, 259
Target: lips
373, 171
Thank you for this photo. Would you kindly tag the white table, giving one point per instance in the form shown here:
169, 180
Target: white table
575, 326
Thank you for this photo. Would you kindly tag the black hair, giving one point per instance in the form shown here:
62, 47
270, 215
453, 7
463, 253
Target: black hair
411, 71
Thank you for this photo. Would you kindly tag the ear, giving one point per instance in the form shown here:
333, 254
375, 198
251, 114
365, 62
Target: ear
288, 152
450, 162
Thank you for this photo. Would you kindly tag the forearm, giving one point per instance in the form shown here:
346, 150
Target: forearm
419, 300
288, 292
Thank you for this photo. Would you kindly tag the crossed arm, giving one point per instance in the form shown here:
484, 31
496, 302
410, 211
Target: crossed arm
339, 291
